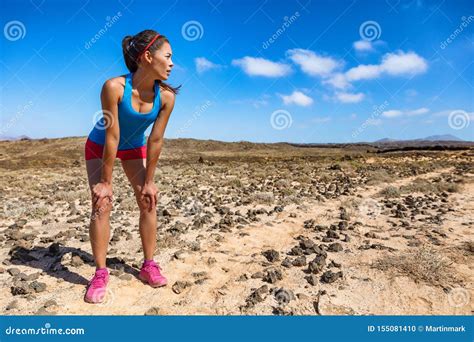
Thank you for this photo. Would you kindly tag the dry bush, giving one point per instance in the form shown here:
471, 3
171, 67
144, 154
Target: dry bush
263, 198
379, 176
425, 186
389, 192
423, 264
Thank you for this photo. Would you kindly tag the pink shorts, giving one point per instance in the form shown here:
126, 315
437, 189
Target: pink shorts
94, 151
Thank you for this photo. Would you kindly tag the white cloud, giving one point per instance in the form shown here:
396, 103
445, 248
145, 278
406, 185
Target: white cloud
363, 45
418, 111
392, 113
262, 67
338, 81
297, 98
402, 63
393, 64
363, 72
203, 65
397, 113
448, 112
349, 97
313, 64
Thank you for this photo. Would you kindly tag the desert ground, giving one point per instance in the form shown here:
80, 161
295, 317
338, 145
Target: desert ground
245, 229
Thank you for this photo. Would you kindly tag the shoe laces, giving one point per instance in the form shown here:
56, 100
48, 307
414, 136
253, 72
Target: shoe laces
154, 269
98, 280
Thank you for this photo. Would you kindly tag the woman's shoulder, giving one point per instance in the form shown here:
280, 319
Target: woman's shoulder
167, 96
114, 86
115, 83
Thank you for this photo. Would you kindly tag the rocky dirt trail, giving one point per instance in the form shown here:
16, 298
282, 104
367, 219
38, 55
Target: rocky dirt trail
370, 236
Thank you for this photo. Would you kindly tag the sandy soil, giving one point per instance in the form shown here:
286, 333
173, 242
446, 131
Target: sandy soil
245, 229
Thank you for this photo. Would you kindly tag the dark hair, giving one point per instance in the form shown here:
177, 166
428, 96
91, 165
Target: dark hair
133, 46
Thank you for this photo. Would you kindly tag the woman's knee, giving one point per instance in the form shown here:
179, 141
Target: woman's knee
101, 212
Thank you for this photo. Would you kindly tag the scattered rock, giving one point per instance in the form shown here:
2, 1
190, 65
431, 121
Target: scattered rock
13, 271
38, 286
153, 311
272, 276
335, 247
257, 296
283, 296
126, 276
317, 265
76, 261
180, 286
330, 276
299, 261
12, 305
271, 255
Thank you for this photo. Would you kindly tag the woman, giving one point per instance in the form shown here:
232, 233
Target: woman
130, 104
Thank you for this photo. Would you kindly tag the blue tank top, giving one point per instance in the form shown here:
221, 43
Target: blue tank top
132, 124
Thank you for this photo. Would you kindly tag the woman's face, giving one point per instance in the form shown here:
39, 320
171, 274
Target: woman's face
161, 63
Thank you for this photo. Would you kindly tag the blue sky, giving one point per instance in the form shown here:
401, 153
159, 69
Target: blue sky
263, 71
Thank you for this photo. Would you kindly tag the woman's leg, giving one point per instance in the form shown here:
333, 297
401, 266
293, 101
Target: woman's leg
99, 229
135, 169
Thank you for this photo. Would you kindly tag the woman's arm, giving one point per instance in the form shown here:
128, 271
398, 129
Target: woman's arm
155, 140
102, 191
109, 98
154, 145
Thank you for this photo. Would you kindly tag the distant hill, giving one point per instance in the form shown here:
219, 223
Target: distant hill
442, 137
21, 137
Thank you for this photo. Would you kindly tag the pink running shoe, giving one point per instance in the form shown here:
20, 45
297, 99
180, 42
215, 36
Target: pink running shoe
150, 273
97, 287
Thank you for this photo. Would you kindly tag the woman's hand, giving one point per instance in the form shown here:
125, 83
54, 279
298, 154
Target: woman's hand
102, 195
148, 195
